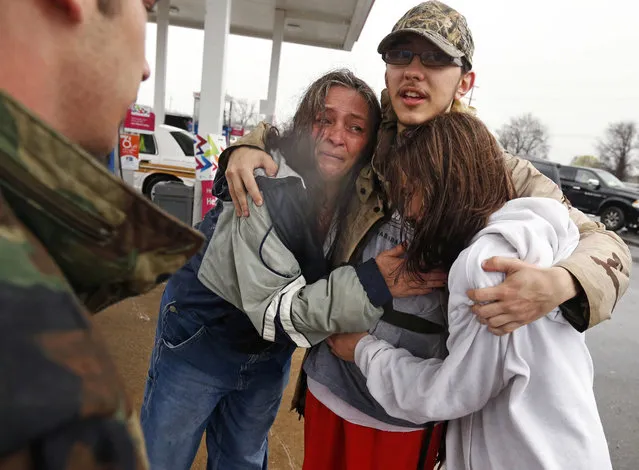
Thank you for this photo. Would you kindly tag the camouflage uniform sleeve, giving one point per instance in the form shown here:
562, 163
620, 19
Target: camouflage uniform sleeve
62, 404
256, 138
601, 263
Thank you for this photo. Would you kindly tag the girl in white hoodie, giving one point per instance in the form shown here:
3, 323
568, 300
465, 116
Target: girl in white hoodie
515, 402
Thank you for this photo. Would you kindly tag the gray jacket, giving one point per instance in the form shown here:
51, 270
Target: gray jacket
272, 267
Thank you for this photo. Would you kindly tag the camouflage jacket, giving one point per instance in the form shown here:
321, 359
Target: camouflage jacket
73, 240
601, 263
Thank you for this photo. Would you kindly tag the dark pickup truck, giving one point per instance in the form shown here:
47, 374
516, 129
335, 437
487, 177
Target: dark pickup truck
598, 192
547, 168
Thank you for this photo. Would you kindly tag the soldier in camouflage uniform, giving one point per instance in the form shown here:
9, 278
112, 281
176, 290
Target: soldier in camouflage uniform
73, 238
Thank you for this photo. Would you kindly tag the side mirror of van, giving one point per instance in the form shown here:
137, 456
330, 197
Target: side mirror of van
595, 183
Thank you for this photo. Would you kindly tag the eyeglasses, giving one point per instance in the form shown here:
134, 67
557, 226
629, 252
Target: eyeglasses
427, 58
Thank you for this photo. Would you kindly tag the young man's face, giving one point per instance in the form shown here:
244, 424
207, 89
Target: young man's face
419, 93
106, 68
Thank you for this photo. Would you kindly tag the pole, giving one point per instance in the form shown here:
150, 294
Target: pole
217, 23
159, 99
470, 99
276, 52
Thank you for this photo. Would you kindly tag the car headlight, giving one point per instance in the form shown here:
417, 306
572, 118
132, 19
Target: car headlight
636, 204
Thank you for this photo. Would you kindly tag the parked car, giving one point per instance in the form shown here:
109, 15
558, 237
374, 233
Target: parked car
599, 192
165, 155
547, 168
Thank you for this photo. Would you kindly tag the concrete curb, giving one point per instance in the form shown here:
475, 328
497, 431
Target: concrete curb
633, 244
631, 241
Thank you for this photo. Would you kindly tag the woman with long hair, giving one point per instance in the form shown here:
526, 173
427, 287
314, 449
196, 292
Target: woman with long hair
211, 371
519, 401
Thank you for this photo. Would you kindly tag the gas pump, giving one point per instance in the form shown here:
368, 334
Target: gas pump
139, 120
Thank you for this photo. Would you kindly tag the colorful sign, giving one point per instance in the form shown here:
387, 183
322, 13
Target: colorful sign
207, 154
130, 151
208, 200
111, 162
140, 119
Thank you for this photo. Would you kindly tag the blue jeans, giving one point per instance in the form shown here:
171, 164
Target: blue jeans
198, 383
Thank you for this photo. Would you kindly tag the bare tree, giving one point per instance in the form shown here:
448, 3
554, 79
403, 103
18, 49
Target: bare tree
242, 111
524, 136
586, 160
618, 149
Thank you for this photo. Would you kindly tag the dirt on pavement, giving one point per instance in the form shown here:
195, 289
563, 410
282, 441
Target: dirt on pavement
128, 329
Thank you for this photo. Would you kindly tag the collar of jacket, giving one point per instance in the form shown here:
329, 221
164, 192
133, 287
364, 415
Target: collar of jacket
109, 241
365, 183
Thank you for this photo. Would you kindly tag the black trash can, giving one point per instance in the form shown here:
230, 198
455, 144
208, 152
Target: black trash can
176, 198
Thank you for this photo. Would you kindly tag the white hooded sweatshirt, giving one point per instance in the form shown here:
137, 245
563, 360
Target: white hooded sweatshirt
516, 402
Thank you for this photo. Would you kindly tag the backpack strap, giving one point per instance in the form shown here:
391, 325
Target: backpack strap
410, 322
432, 442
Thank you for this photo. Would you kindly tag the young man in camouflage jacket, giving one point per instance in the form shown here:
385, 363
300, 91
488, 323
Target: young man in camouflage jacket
429, 69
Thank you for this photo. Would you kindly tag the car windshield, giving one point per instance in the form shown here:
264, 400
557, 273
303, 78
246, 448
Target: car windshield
185, 142
610, 180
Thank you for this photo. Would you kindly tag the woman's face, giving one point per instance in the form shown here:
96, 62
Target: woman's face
341, 133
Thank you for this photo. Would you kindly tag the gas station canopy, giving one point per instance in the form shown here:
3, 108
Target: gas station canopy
334, 24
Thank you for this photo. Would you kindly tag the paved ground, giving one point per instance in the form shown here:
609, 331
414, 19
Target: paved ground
129, 328
632, 240
614, 346
630, 237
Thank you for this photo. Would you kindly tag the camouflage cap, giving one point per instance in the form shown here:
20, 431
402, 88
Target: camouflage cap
440, 24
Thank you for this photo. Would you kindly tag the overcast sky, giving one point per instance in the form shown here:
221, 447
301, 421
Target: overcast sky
573, 64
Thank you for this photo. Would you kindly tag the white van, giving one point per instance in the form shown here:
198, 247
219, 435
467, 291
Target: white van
165, 155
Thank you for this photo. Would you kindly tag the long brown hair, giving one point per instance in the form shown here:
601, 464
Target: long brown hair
297, 143
456, 169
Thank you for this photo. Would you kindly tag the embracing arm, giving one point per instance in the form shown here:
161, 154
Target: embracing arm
248, 264
586, 286
238, 163
422, 390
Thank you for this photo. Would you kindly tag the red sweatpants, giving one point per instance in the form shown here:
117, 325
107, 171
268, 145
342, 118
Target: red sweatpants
331, 443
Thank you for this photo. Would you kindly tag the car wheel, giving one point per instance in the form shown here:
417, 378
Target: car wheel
613, 218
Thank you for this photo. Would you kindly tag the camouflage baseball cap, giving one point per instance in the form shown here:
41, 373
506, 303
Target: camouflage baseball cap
440, 24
